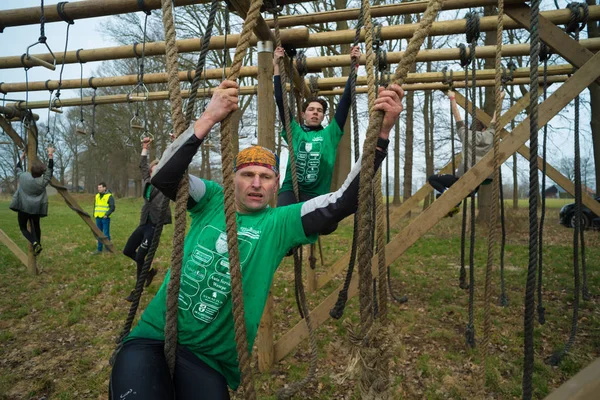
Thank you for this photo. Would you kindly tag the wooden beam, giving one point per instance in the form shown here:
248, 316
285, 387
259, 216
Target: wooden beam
79, 10
465, 185
377, 11
12, 246
583, 386
399, 212
324, 83
551, 172
553, 36
298, 36
313, 62
152, 49
12, 112
71, 202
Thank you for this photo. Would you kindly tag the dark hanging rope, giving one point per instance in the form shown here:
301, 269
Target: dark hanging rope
464, 62
576, 22
338, 309
473, 34
528, 345
544, 56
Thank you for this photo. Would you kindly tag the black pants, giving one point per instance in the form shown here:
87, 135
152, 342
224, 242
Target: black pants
138, 244
442, 182
141, 372
287, 198
36, 233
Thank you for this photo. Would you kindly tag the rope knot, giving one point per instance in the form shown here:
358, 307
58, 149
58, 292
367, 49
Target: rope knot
447, 78
301, 63
578, 19
463, 55
472, 30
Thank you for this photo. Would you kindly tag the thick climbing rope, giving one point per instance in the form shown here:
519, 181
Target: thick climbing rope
293, 388
544, 56
574, 26
492, 229
164, 206
472, 37
227, 128
338, 309
366, 191
528, 316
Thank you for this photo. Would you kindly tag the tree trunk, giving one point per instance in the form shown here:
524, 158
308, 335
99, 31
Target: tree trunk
594, 88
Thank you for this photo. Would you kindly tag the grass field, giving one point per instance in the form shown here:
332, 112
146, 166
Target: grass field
57, 329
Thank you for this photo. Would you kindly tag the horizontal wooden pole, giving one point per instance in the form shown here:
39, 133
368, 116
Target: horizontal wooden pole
12, 112
250, 90
312, 64
300, 37
293, 36
79, 10
377, 11
441, 86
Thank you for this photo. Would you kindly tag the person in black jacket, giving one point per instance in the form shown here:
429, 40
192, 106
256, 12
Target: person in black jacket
141, 238
30, 201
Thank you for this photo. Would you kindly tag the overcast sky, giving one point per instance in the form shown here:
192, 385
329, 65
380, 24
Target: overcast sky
87, 34
84, 33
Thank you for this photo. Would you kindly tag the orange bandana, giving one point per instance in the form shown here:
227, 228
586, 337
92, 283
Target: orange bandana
257, 155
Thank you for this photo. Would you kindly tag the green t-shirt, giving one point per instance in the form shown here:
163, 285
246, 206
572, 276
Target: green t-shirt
205, 309
315, 158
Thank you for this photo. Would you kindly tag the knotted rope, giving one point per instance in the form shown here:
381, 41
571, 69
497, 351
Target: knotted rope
179, 126
164, 206
492, 230
528, 350
227, 128
464, 62
366, 191
544, 56
473, 34
338, 309
289, 391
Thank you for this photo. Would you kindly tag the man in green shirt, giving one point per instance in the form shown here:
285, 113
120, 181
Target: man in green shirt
206, 354
315, 146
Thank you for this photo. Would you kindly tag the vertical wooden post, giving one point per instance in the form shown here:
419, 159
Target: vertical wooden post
266, 138
31, 157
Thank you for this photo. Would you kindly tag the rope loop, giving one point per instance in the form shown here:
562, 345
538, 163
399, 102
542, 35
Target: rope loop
382, 63
313, 84
142, 6
4, 92
301, 63
60, 9
463, 55
577, 20
79, 60
447, 79
377, 40
91, 84
271, 7
473, 32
